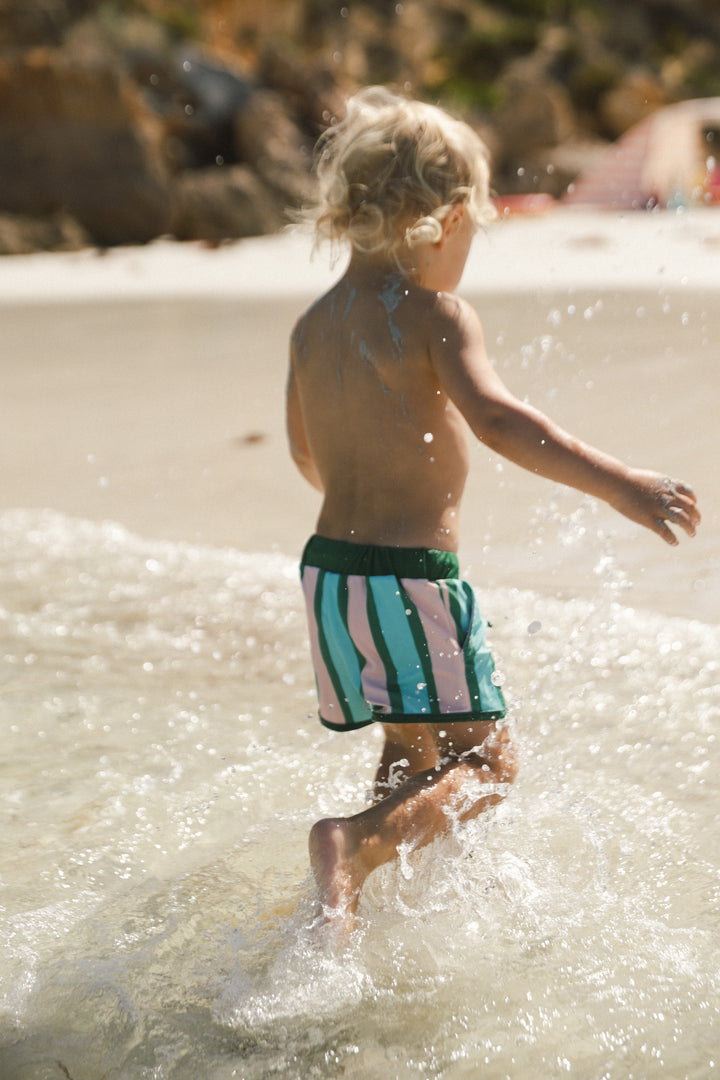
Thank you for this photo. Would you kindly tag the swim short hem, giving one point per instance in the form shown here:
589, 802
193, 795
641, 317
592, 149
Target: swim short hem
420, 718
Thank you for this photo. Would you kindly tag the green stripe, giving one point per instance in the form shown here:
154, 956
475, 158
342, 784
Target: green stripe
469, 655
391, 679
421, 644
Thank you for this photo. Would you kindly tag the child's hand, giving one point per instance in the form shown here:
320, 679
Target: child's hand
653, 500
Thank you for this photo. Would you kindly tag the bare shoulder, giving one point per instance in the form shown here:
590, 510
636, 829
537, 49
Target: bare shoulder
455, 334
453, 313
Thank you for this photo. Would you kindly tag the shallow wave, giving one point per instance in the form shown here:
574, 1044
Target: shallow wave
163, 765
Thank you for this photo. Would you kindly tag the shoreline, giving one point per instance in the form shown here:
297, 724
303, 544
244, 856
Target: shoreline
562, 249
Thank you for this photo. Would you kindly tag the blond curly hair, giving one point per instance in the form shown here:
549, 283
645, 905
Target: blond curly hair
390, 172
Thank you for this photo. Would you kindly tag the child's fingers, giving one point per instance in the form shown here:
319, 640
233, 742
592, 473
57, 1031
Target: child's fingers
663, 530
679, 506
689, 506
686, 519
682, 489
682, 518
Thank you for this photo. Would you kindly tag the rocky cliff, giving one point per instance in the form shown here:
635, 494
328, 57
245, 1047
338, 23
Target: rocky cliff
124, 121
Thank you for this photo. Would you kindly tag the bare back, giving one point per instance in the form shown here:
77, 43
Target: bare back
389, 447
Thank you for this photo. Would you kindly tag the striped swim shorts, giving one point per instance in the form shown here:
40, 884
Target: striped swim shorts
395, 636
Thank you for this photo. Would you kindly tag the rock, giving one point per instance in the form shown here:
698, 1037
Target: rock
38, 22
222, 203
269, 141
210, 95
533, 116
80, 140
309, 89
636, 96
20, 235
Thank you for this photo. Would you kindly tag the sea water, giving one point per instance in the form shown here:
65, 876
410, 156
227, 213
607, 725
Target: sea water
162, 765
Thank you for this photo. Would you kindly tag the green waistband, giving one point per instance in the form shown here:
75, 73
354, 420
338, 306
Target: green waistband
342, 557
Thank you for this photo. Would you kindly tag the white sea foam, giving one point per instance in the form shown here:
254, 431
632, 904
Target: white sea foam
162, 767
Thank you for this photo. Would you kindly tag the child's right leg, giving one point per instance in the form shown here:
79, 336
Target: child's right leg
408, 749
343, 851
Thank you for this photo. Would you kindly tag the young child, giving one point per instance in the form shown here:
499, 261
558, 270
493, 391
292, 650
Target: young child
388, 380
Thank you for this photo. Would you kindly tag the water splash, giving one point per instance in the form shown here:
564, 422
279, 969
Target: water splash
158, 913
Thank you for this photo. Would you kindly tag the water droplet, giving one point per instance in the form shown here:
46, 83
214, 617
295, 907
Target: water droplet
428, 436
497, 678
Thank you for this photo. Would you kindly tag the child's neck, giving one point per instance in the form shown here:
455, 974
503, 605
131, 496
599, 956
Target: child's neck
374, 263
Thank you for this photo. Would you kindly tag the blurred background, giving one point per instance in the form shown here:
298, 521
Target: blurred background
124, 121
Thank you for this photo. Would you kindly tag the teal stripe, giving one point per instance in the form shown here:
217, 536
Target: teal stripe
457, 602
404, 661
376, 629
421, 644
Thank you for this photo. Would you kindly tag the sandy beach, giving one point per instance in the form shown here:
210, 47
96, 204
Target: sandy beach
145, 386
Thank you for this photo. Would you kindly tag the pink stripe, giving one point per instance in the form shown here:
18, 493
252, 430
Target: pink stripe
448, 662
373, 674
329, 705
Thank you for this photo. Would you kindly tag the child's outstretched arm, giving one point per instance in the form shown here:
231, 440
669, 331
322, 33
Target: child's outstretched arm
529, 438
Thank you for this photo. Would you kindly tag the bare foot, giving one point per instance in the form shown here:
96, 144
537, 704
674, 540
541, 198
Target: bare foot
338, 871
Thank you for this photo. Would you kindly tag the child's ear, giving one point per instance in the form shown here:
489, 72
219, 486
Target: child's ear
452, 221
